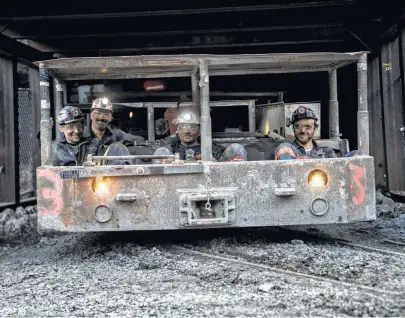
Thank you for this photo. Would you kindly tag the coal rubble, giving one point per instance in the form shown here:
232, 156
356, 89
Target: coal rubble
18, 223
387, 207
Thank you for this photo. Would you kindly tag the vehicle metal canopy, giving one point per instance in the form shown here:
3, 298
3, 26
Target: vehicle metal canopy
149, 66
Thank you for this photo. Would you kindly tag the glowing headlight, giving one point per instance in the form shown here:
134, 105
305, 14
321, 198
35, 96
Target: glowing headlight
187, 116
101, 185
317, 178
104, 101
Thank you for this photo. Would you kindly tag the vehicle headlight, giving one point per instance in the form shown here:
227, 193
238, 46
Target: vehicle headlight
101, 185
317, 178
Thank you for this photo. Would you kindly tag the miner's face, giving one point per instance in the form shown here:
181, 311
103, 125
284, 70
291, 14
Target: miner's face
188, 133
100, 118
304, 130
73, 131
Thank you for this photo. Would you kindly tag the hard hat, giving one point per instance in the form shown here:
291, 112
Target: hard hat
187, 117
102, 103
69, 114
303, 112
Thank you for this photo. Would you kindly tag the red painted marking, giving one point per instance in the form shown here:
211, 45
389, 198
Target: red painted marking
358, 173
53, 195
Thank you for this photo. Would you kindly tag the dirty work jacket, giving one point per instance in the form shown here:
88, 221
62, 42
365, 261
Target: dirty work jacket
65, 154
174, 145
293, 150
112, 135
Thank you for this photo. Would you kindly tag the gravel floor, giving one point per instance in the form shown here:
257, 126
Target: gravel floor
138, 274
76, 275
333, 261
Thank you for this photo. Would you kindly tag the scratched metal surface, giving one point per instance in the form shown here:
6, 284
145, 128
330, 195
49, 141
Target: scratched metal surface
123, 67
68, 204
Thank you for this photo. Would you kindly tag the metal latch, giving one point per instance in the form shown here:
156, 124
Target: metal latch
285, 192
193, 212
1, 168
128, 197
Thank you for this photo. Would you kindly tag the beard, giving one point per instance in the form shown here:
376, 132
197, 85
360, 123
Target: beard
188, 139
304, 138
101, 124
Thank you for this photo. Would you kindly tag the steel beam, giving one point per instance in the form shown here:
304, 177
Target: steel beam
112, 15
280, 96
128, 94
393, 109
252, 116
58, 86
8, 161
362, 113
206, 133
187, 74
377, 143
265, 71
192, 46
34, 44
232, 103
151, 122
102, 76
45, 126
179, 32
36, 111
195, 90
9, 47
333, 106
16, 131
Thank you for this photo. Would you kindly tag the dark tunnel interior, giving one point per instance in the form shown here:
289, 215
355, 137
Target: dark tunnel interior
297, 87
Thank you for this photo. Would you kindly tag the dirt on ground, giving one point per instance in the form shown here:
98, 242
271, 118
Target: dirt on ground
143, 274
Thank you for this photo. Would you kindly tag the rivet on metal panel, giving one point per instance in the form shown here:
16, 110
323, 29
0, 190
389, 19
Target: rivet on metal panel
140, 171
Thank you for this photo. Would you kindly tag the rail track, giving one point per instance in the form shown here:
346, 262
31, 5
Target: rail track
241, 260
370, 248
316, 238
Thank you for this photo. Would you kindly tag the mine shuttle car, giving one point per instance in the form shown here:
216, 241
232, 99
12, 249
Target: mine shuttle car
176, 194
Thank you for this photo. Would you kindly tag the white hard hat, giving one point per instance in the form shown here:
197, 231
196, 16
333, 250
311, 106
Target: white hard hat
187, 117
102, 103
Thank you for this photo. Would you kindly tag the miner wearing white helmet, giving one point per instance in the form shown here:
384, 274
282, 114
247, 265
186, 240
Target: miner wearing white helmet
101, 116
186, 142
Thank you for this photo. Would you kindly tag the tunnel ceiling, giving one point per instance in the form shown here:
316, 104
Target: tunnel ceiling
121, 27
